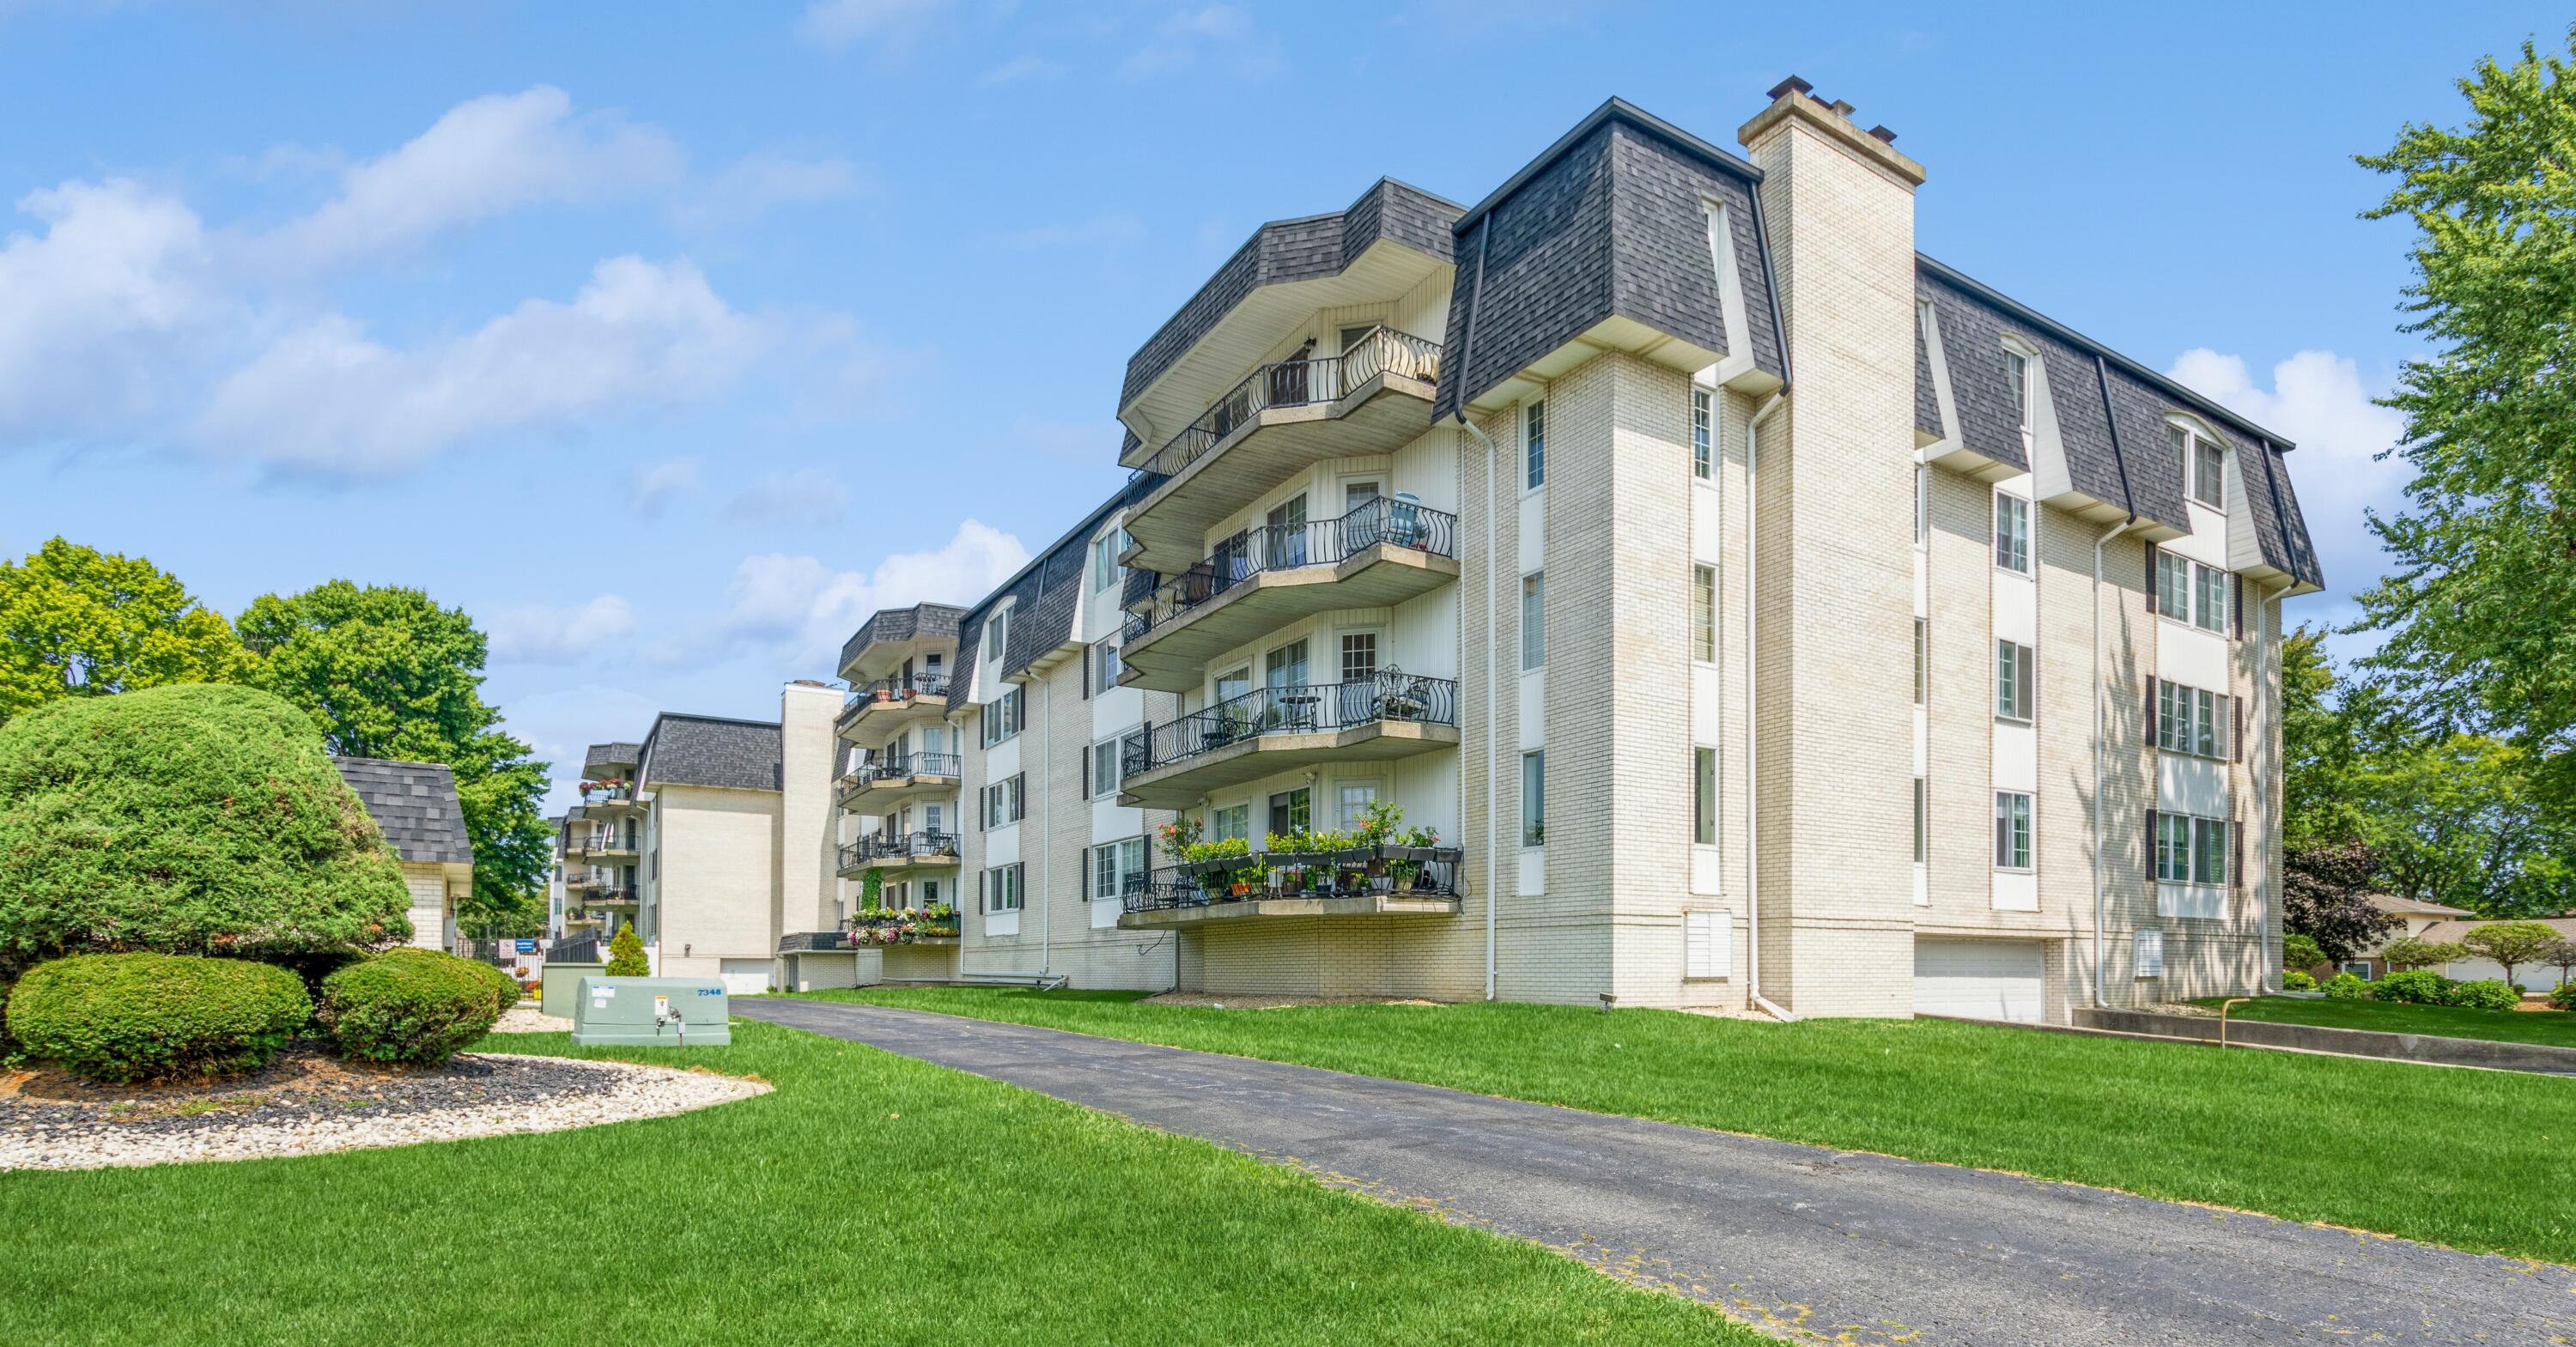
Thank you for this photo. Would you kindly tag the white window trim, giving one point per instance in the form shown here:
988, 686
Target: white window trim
1536, 405
2029, 569
2032, 865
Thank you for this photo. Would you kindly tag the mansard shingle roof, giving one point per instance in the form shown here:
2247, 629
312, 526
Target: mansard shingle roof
414, 805
686, 750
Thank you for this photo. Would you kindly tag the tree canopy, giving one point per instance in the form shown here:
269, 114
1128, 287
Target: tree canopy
387, 673
78, 622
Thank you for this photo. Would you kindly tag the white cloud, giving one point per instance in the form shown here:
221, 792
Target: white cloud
1213, 31
538, 634
1016, 69
652, 489
485, 157
757, 184
804, 496
326, 399
834, 24
94, 310
2318, 400
802, 610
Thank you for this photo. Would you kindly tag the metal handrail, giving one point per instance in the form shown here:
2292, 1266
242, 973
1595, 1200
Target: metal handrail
1295, 383
1297, 708
1278, 547
900, 767
1167, 888
895, 690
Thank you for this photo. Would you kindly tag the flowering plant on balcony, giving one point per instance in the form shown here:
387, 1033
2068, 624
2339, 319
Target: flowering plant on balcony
1179, 836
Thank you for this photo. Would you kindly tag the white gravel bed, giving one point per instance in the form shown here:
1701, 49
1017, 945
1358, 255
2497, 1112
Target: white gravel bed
527, 1019
624, 1091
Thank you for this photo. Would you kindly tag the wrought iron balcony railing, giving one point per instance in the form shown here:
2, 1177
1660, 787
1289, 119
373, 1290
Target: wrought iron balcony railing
1296, 383
1392, 871
898, 689
905, 846
1278, 547
1297, 708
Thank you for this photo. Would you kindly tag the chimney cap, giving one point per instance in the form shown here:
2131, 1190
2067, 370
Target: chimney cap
1883, 135
1793, 84
1839, 108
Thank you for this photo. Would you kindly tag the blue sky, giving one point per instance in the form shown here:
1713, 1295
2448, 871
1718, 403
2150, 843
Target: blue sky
669, 341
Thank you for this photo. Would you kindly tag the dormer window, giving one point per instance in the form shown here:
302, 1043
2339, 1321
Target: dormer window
2017, 377
2203, 461
997, 635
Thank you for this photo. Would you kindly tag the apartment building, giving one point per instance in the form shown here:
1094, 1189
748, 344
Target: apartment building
598, 842
897, 842
1757, 614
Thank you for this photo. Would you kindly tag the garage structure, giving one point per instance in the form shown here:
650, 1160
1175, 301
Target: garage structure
1980, 979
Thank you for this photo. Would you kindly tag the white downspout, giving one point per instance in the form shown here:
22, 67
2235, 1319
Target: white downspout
1752, 734
1046, 872
1493, 743
2101, 752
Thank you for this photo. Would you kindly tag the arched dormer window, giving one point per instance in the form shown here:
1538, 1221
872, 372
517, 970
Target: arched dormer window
2022, 376
2202, 457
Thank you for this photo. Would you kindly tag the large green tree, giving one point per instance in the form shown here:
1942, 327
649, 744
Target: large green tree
387, 673
2476, 614
2457, 820
2319, 749
78, 622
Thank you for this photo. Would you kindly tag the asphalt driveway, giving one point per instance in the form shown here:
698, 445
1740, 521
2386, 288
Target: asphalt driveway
1804, 1242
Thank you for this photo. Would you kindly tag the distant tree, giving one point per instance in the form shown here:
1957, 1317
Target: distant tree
2301, 952
2408, 952
2561, 955
2459, 820
2324, 887
626, 955
2318, 748
387, 673
2477, 637
78, 622
2511, 943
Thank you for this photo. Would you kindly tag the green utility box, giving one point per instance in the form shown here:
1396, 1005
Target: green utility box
650, 1012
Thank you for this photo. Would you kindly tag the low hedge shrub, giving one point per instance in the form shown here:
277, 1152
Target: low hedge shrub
2564, 998
2295, 980
2484, 994
2415, 986
131, 1017
414, 1006
2345, 987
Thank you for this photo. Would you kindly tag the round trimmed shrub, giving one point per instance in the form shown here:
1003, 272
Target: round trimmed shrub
2415, 986
506, 990
194, 819
2564, 998
2297, 980
130, 1017
626, 955
408, 1005
2345, 987
2485, 994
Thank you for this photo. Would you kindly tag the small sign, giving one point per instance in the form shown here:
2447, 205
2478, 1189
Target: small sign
661, 1007
527, 946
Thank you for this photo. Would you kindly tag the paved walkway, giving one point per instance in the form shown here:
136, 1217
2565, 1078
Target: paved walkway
1805, 1242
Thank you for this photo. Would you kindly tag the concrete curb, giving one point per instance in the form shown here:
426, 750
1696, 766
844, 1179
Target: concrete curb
2425, 1048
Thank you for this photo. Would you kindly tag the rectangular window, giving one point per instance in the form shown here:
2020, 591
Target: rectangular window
1708, 944
2208, 473
2012, 830
1131, 865
1922, 661
1534, 445
1292, 811
1005, 802
1700, 427
1922, 820
1359, 656
1704, 796
1105, 664
2173, 585
1104, 870
1107, 761
997, 637
1232, 823
2209, 598
2016, 670
2209, 851
1704, 614
1002, 889
2173, 848
2017, 377
1002, 717
1285, 667
1533, 621
1104, 561
1534, 798
2193, 850
1352, 799
2012, 533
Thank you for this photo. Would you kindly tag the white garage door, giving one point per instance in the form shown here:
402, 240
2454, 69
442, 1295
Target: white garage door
1978, 979
744, 977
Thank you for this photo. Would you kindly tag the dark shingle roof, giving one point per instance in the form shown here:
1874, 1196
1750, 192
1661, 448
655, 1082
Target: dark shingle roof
612, 755
2110, 410
1045, 595
922, 621
1607, 222
686, 750
414, 804
1295, 250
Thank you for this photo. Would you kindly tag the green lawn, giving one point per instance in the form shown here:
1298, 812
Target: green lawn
2553, 1027
2430, 1153
869, 1199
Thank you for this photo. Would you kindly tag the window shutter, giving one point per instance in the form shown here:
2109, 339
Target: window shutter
2236, 732
2236, 849
2236, 604
1086, 773
1087, 657
2155, 833
2151, 578
2152, 731
1082, 863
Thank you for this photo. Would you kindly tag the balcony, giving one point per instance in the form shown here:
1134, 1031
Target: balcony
899, 851
1391, 714
1369, 881
880, 710
608, 850
1378, 555
600, 799
1372, 399
888, 782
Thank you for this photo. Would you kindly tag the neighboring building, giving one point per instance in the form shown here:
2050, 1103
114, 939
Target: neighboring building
599, 845
1773, 617
896, 793
2531, 977
2415, 918
414, 805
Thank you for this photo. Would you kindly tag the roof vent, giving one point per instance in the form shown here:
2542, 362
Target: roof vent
1793, 84
1882, 135
1839, 108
